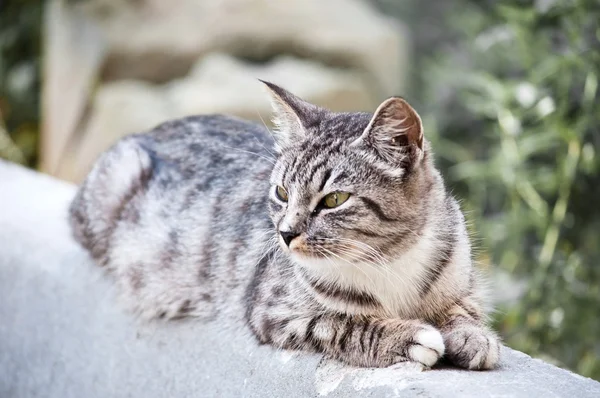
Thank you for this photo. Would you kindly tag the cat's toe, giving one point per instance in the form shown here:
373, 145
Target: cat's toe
473, 348
493, 355
428, 347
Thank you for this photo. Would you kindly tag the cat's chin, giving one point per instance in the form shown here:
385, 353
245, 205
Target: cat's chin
303, 256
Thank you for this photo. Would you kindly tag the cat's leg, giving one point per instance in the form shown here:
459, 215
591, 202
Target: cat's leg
354, 340
469, 343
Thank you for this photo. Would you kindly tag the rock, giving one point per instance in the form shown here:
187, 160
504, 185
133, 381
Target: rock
157, 41
73, 55
161, 60
63, 334
218, 83
222, 84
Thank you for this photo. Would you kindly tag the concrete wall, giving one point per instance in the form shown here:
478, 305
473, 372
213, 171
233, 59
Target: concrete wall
62, 334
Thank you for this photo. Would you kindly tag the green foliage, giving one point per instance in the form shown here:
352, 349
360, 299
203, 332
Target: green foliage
516, 125
20, 25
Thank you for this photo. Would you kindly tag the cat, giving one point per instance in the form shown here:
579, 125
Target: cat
333, 234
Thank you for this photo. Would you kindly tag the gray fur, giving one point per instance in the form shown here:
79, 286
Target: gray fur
187, 219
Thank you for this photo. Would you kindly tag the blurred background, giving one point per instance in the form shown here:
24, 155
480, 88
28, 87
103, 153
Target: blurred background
508, 90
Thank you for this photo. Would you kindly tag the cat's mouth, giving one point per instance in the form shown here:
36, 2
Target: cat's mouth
302, 250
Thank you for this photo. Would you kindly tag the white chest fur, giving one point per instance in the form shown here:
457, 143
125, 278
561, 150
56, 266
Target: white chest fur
396, 285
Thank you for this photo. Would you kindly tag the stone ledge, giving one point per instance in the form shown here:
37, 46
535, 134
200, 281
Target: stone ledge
62, 335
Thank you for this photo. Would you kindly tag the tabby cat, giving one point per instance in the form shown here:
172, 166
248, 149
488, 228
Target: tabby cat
332, 234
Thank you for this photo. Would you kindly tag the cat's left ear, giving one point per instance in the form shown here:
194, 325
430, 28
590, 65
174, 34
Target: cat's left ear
291, 116
395, 131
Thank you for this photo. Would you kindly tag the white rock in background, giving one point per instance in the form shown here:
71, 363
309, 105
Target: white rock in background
158, 40
218, 83
172, 59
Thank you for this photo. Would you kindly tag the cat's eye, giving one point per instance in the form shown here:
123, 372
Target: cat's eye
281, 193
335, 199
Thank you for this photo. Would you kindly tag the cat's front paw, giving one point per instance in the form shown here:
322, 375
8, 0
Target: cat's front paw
428, 346
472, 347
418, 342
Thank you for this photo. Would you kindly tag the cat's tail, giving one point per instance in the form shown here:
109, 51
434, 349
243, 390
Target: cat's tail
119, 176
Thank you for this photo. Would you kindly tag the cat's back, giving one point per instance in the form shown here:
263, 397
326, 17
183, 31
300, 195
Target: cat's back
209, 130
196, 143
201, 174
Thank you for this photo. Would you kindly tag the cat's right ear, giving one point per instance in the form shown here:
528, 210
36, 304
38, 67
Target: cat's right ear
291, 115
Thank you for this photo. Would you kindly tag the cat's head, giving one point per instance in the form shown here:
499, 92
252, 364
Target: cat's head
347, 188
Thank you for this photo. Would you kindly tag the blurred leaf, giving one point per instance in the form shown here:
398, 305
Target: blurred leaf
517, 120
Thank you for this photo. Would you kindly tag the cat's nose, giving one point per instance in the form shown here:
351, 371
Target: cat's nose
288, 236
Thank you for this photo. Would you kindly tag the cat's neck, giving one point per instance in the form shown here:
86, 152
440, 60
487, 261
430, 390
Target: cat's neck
398, 285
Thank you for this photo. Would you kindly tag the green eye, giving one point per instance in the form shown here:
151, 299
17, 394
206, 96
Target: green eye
335, 199
281, 193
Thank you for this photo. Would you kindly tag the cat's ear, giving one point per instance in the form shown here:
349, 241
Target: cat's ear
291, 115
395, 131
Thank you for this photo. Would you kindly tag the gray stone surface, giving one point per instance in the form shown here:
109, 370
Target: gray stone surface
63, 335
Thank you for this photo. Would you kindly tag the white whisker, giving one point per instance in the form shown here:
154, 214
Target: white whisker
272, 161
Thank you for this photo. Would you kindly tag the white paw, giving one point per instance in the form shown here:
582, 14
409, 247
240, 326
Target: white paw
429, 347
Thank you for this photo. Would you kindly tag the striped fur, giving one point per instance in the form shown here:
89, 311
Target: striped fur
187, 219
